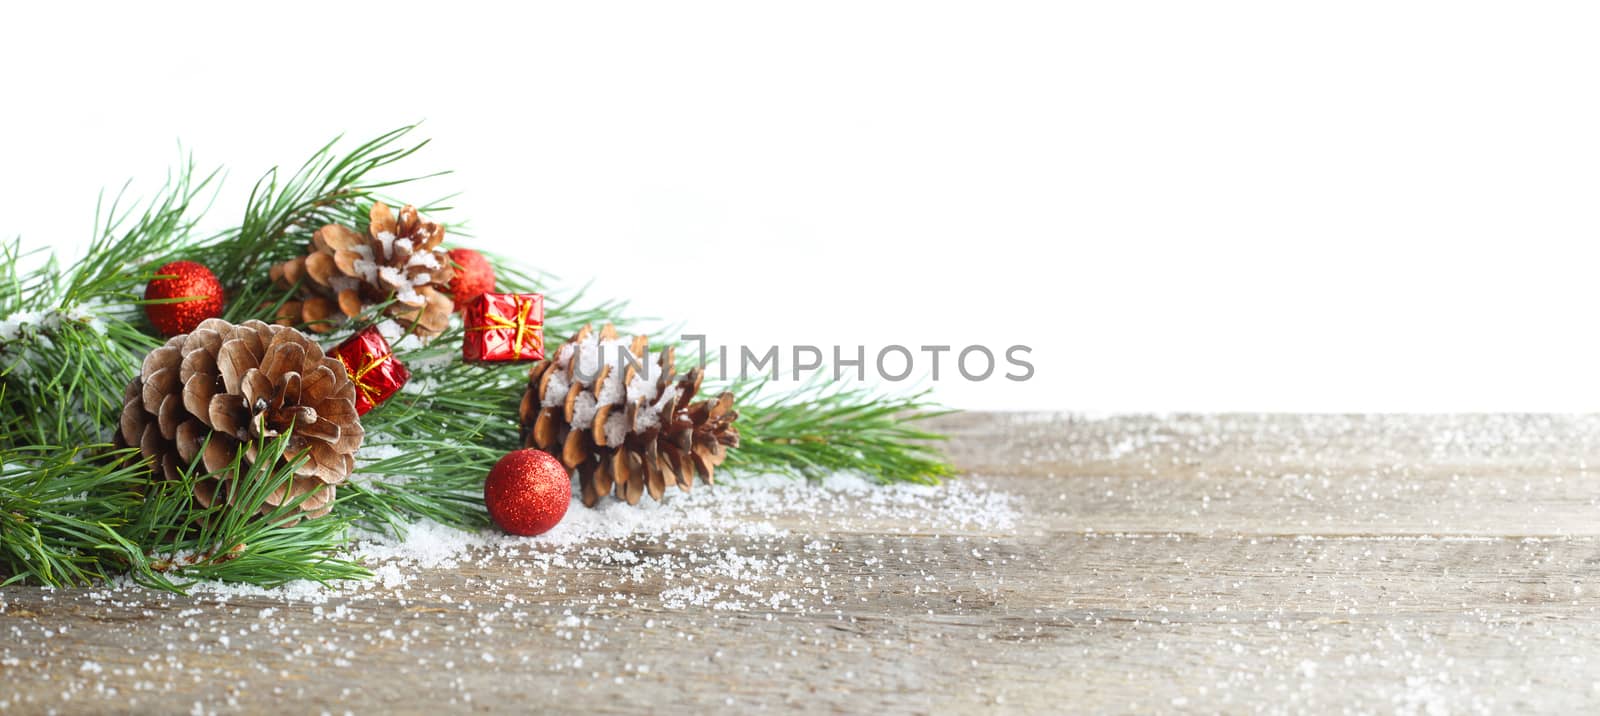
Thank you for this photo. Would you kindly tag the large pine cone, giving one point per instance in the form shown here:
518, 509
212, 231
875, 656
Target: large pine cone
345, 271
629, 429
208, 392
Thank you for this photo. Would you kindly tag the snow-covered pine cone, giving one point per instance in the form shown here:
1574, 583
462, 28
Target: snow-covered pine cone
208, 392
627, 430
343, 272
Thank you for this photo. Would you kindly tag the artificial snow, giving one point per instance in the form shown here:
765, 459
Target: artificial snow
340, 284
726, 539
425, 259
588, 357
583, 410
762, 544
407, 294
616, 428
611, 390
368, 269
11, 327
555, 393
642, 386
29, 333
386, 244
392, 276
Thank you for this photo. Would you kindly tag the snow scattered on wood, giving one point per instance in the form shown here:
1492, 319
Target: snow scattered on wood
700, 563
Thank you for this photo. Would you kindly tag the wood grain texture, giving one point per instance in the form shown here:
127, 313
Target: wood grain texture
1241, 564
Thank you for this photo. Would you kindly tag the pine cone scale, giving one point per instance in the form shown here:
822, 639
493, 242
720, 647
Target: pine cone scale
203, 342
334, 238
169, 415
350, 302
219, 452
325, 430
321, 268
254, 387
283, 356
198, 391
234, 359
319, 384
191, 437
229, 415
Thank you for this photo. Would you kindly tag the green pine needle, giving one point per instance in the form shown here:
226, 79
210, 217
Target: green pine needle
60, 513
827, 427
234, 541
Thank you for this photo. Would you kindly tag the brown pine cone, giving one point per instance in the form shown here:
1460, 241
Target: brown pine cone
343, 272
630, 430
209, 392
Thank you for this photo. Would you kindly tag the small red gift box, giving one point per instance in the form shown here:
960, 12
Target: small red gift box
373, 368
504, 327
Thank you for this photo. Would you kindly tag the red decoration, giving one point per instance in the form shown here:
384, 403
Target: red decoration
473, 277
527, 492
504, 327
182, 280
373, 368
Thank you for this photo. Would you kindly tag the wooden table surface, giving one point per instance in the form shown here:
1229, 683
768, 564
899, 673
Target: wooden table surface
1237, 564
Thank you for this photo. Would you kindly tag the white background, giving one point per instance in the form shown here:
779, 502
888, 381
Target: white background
1364, 206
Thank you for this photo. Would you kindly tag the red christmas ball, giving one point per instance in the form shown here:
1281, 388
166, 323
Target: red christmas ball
183, 279
474, 276
527, 492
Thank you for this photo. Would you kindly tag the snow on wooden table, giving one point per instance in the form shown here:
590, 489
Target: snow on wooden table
1122, 564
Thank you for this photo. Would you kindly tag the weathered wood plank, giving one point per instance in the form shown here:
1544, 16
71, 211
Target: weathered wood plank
1488, 475
1048, 445
1242, 564
1118, 613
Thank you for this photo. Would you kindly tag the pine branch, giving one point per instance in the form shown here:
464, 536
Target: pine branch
437, 440
421, 486
59, 515
325, 189
233, 541
71, 338
72, 517
62, 371
63, 377
824, 428
332, 186
68, 343
167, 223
564, 315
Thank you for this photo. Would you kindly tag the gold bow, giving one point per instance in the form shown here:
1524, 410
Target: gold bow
525, 307
367, 391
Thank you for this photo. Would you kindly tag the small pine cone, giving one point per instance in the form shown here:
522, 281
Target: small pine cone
343, 272
209, 392
627, 429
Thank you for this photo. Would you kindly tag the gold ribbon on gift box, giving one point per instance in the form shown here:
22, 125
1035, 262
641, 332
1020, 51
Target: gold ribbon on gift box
525, 307
358, 376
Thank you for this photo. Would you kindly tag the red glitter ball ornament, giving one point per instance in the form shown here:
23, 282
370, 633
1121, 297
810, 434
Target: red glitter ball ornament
527, 492
474, 276
183, 279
